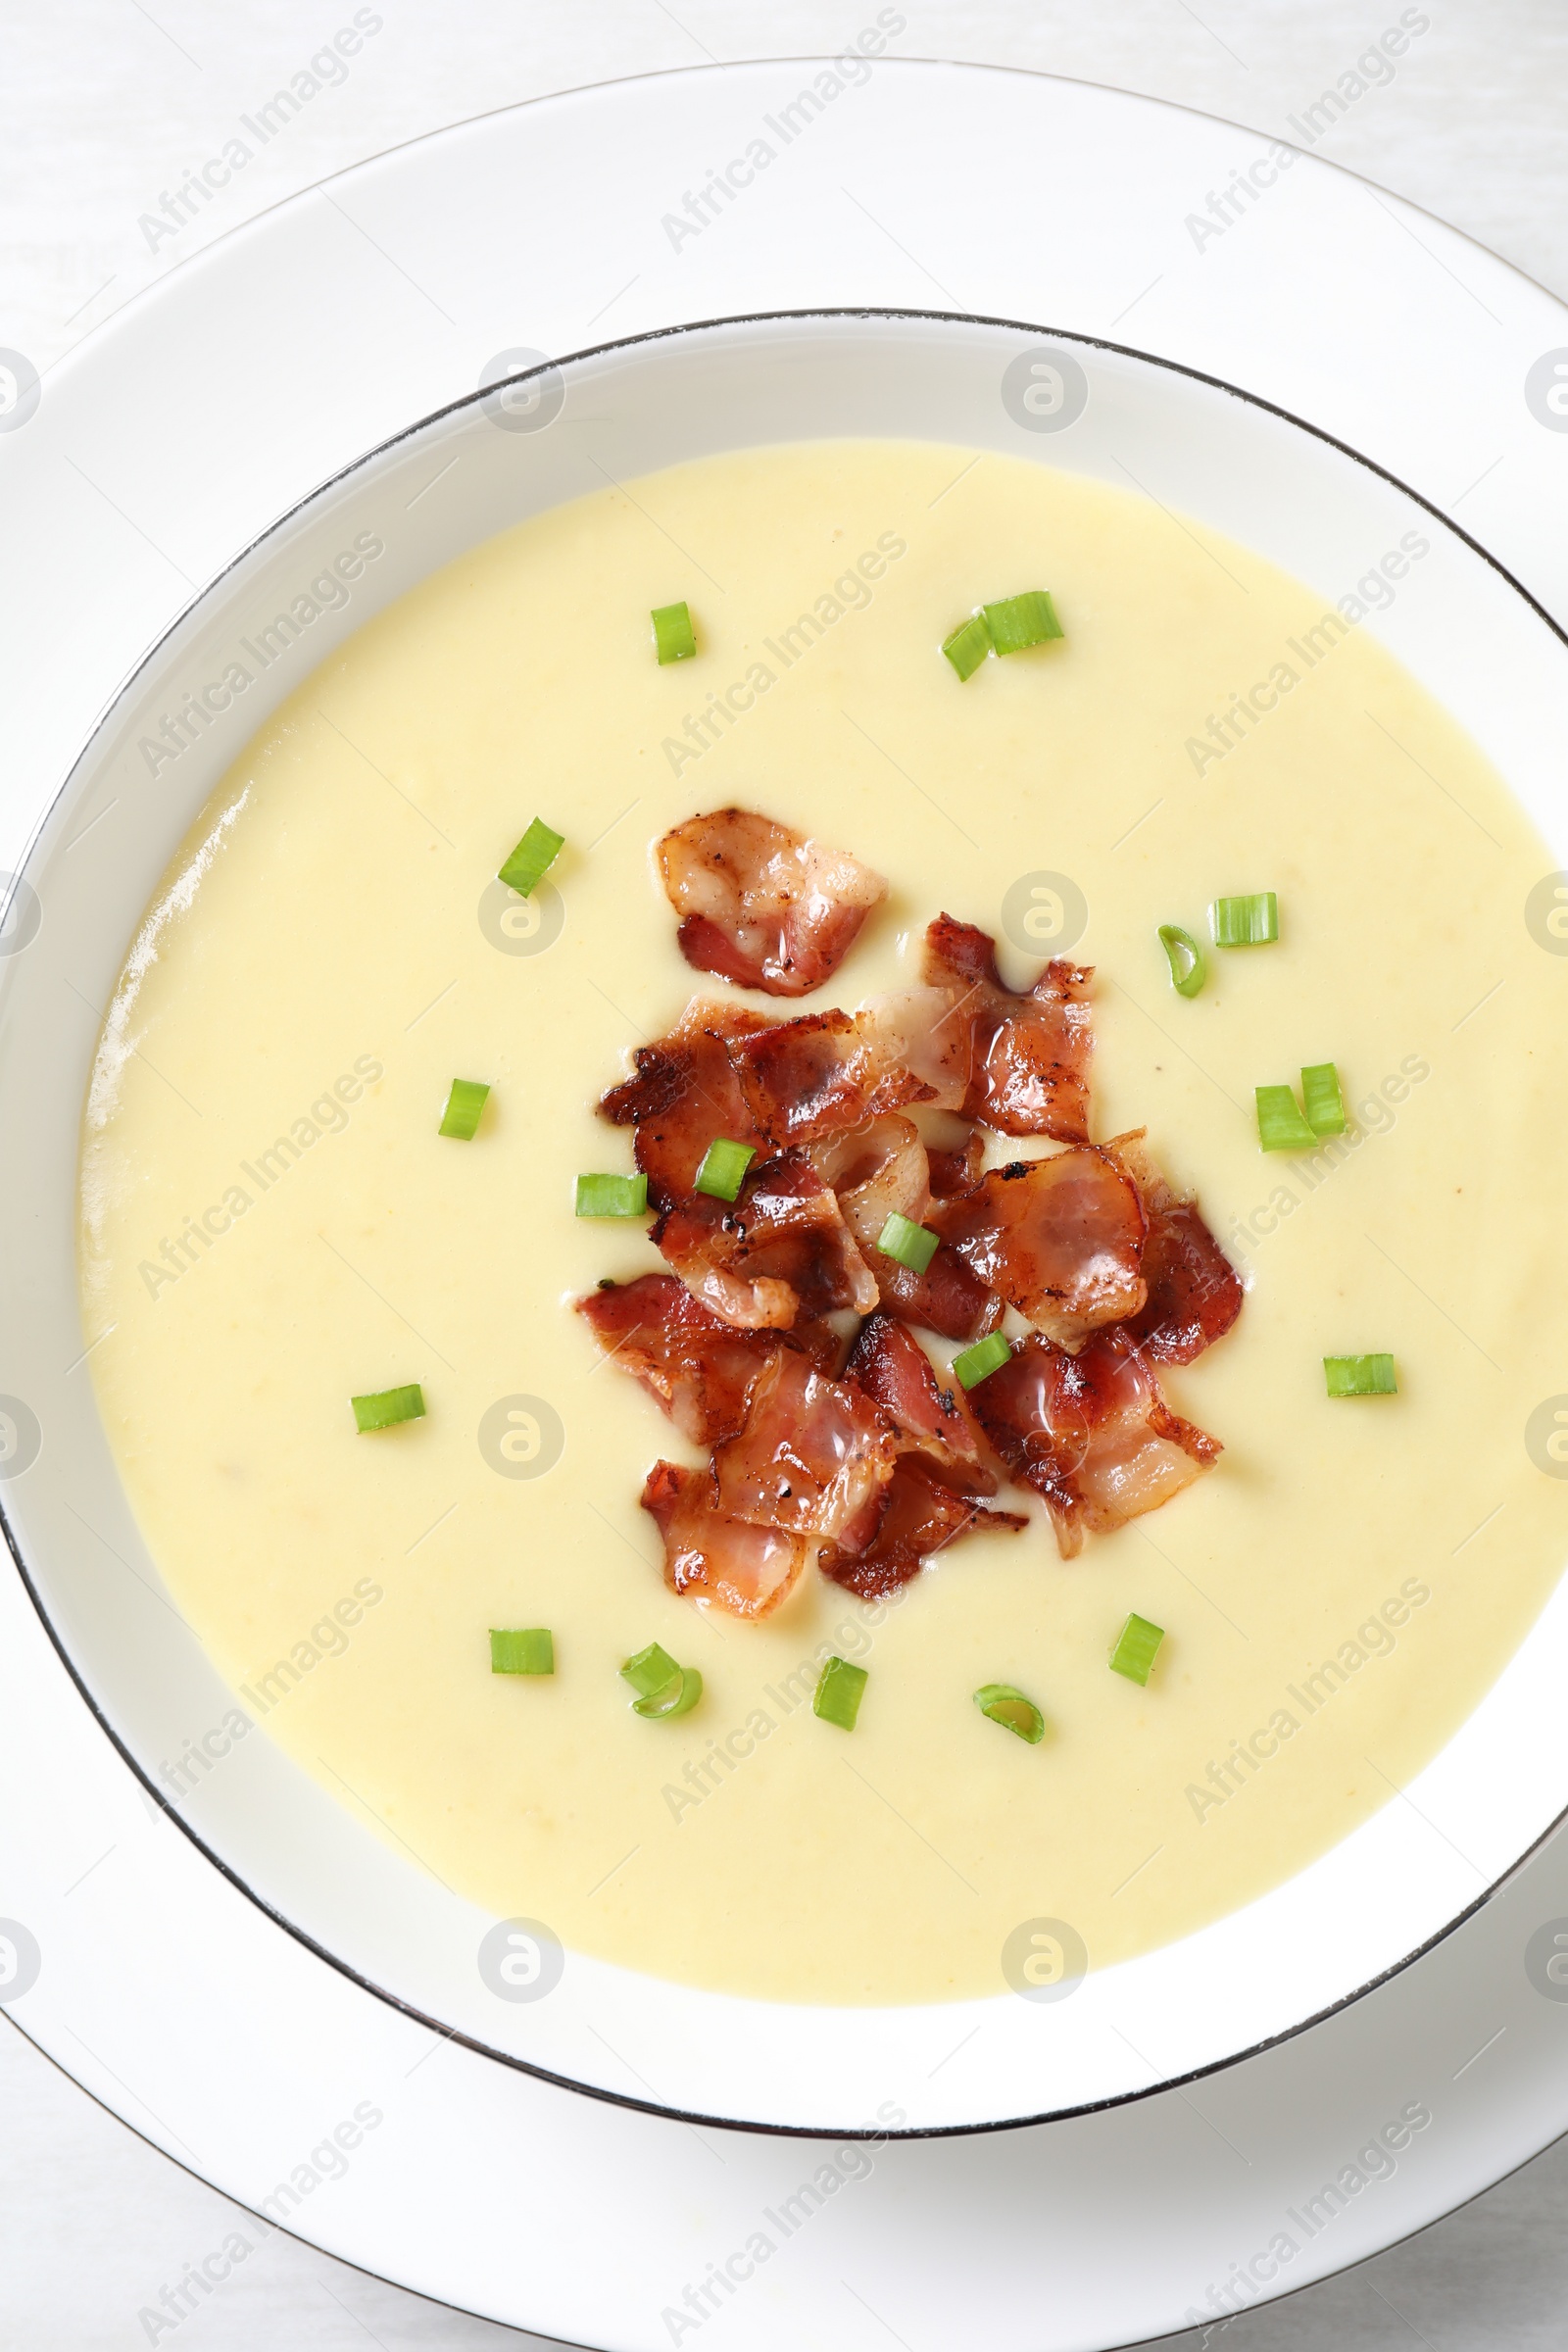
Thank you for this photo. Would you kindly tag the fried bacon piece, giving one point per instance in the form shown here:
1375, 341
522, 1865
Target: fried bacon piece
762, 904
955, 1167
882, 1169
745, 1569
812, 1455
1060, 1239
919, 1513
686, 1093
889, 1363
780, 1249
1091, 1433
700, 1370
1194, 1292
877, 1171
1028, 1051
815, 1076
928, 1032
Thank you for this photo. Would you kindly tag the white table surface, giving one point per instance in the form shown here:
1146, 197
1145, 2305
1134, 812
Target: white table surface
108, 104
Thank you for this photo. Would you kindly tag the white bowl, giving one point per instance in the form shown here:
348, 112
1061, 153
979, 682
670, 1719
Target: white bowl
1465, 630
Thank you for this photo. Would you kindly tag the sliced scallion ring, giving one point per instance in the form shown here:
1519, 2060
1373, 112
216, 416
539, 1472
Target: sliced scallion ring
1188, 969
908, 1244
1004, 1703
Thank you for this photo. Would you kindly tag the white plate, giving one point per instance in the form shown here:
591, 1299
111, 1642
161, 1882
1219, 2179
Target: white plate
1400, 1881
205, 2009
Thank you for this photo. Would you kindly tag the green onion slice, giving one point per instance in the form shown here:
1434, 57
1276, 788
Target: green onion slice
909, 1245
986, 1356
839, 1693
678, 1698
664, 1688
1360, 1376
612, 1197
968, 644
1003, 1704
387, 1407
1322, 1099
464, 1104
1022, 620
531, 1651
1246, 922
1280, 1124
1136, 1646
675, 638
1188, 970
532, 857
723, 1169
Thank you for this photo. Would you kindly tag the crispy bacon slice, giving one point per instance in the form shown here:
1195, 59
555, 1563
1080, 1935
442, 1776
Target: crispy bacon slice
699, 1368
763, 905
815, 1076
779, 1251
686, 1092
1060, 1239
1091, 1433
1194, 1292
919, 1513
889, 1363
1029, 1051
743, 1568
812, 1454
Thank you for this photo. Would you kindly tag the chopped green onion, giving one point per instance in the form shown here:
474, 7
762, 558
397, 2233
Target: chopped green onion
1022, 620
522, 1652
723, 1169
987, 1356
1360, 1376
664, 1688
1003, 1704
1188, 970
911, 1244
1280, 1124
839, 1693
388, 1407
967, 646
464, 1104
532, 857
673, 635
612, 1197
650, 1670
1322, 1099
1136, 1646
1247, 923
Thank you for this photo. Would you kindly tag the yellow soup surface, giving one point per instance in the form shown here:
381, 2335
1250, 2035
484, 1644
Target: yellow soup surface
270, 1222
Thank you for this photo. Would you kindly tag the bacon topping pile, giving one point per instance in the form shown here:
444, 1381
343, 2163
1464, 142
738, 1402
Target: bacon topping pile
873, 1461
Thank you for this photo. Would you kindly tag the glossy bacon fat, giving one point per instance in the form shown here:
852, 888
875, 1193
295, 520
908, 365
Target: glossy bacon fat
744, 1569
1028, 1051
763, 905
1091, 1433
1060, 1239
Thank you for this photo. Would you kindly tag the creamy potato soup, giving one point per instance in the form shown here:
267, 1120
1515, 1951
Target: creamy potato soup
271, 1222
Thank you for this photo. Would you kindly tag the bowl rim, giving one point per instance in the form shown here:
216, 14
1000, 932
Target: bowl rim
378, 451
